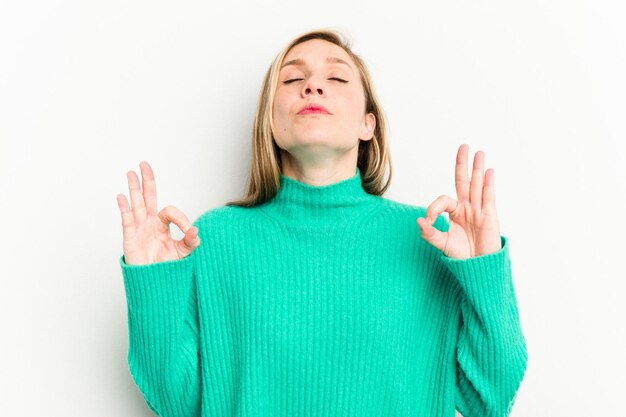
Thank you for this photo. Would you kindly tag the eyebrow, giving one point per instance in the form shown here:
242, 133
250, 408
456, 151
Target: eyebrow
329, 60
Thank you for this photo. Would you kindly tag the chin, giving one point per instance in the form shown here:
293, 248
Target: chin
321, 139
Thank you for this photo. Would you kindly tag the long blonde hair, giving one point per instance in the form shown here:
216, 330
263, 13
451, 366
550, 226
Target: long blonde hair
265, 167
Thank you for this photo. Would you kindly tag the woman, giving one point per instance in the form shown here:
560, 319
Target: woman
314, 295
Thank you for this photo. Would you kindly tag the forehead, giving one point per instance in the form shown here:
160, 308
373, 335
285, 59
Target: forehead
317, 50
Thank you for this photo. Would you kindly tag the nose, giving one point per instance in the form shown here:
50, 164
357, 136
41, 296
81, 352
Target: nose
311, 86
308, 91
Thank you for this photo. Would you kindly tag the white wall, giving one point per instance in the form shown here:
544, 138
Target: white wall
89, 89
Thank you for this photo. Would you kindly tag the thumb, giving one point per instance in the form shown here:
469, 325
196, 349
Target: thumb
430, 234
189, 242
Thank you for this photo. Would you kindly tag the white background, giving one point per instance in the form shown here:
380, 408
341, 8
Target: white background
90, 89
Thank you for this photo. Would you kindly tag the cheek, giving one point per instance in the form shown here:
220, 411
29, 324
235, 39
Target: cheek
281, 107
280, 115
356, 98
357, 107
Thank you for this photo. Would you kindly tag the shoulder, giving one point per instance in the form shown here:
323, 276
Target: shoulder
403, 211
219, 216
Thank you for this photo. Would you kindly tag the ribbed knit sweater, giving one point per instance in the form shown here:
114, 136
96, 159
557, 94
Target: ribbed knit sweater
324, 301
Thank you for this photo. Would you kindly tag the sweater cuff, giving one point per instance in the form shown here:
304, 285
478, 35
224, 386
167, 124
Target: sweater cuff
485, 279
158, 284
132, 270
503, 251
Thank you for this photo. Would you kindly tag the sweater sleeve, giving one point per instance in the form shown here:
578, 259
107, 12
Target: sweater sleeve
164, 343
491, 350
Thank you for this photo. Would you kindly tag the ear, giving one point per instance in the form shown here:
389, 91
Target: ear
369, 124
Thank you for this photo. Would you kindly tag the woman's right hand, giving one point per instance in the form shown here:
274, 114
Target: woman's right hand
147, 236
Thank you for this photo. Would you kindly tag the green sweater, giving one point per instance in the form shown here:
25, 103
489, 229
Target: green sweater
324, 301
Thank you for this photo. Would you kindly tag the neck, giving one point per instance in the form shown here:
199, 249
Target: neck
310, 205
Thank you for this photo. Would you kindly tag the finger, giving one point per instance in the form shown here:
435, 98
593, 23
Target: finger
136, 198
476, 186
189, 242
432, 235
172, 214
149, 188
441, 204
489, 196
461, 180
128, 220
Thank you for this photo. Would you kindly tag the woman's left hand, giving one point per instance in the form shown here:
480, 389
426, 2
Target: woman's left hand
474, 229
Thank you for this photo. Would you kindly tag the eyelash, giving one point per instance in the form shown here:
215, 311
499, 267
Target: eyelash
296, 79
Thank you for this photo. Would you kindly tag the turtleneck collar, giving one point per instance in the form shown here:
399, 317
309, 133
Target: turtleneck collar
300, 203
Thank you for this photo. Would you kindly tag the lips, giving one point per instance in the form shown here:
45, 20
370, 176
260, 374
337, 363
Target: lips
313, 109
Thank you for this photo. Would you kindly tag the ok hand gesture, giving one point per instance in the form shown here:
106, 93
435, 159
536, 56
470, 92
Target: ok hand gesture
474, 229
147, 236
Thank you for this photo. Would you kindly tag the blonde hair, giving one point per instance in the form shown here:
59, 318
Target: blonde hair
265, 167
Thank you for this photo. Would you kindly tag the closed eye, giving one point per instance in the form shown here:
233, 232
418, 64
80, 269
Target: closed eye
300, 79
